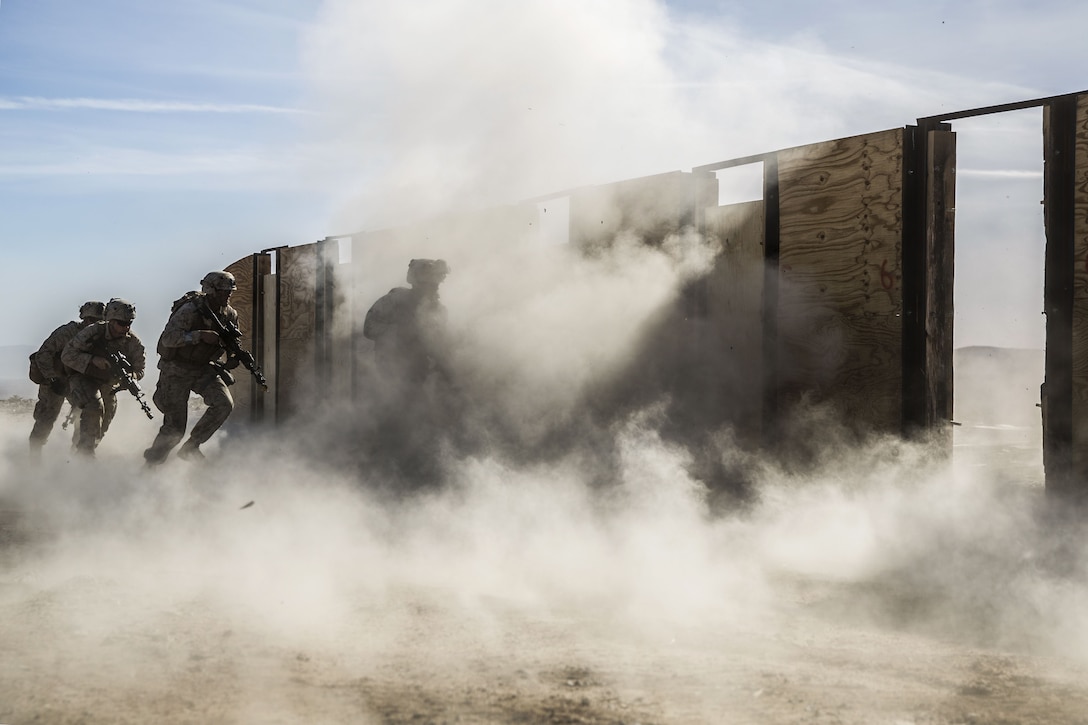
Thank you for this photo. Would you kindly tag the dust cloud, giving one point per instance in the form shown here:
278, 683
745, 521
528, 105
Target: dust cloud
263, 542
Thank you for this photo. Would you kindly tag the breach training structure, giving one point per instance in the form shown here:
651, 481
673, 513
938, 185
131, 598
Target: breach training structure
836, 286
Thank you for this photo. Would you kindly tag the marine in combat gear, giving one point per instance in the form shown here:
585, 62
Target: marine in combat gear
191, 360
408, 325
92, 378
411, 377
49, 372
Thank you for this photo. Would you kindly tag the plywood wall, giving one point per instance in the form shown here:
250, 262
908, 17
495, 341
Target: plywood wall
296, 372
651, 208
1080, 296
840, 281
734, 344
246, 301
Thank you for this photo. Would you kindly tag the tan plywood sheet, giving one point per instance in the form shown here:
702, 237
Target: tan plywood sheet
296, 371
840, 282
1080, 295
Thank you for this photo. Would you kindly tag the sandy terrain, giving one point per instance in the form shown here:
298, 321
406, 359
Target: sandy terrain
865, 594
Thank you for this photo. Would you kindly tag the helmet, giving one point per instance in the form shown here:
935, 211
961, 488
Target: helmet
424, 270
119, 309
214, 281
93, 310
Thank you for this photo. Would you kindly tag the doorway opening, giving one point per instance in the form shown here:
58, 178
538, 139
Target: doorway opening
999, 331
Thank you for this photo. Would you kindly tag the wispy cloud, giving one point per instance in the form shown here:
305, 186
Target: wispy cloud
132, 105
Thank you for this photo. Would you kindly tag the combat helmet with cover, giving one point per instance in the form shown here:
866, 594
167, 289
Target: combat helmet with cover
92, 310
427, 270
121, 310
218, 281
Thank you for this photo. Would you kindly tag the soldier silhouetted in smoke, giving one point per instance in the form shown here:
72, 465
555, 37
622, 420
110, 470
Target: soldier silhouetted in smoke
408, 325
49, 372
408, 328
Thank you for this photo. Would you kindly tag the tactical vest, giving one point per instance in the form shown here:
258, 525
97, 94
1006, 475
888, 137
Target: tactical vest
199, 354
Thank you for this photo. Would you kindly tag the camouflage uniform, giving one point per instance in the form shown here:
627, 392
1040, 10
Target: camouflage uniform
185, 364
47, 367
91, 389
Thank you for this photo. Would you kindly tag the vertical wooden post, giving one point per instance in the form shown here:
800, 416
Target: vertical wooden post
915, 162
939, 280
772, 238
1059, 177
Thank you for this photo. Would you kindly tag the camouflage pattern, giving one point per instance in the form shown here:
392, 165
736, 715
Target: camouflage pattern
184, 367
218, 280
49, 365
180, 339
92, 311
90, 389
119, 309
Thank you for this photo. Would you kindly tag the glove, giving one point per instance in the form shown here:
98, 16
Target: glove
58, 386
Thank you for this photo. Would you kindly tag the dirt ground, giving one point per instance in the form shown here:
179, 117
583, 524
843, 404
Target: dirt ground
412, 658
108, 638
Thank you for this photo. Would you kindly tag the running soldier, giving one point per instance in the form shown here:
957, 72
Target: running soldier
190, 360
92, 377
49, 372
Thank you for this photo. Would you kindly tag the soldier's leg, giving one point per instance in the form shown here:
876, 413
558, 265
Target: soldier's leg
86, 396
172, 399
46, 411
217, 397
109, 408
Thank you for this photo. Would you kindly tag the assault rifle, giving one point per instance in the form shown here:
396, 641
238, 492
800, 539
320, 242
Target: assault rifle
121, 366
229, 335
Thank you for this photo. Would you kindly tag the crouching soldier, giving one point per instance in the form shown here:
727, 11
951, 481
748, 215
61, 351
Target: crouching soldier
49, 372
190, 359
92, 377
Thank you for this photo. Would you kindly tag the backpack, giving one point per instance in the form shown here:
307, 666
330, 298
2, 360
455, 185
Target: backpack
35, 374
189, 296
169, 353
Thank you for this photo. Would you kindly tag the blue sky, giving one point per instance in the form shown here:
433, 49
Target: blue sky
144, 143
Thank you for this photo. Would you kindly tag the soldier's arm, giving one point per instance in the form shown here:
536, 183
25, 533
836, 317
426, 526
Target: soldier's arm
137, 356
46, 356
380, 318
179, 330
77, 353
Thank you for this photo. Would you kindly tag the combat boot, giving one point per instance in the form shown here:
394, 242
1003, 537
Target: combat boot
190, 451
155, 457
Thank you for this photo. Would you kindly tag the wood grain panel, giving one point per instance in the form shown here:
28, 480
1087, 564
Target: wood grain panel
1080, 297
940, 278
840, 279
297, 271
244, 301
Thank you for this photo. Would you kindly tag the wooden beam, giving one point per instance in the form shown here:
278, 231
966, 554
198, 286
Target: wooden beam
1059, 176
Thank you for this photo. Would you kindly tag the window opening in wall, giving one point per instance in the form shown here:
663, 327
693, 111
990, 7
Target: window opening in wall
738, 184
554, 215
